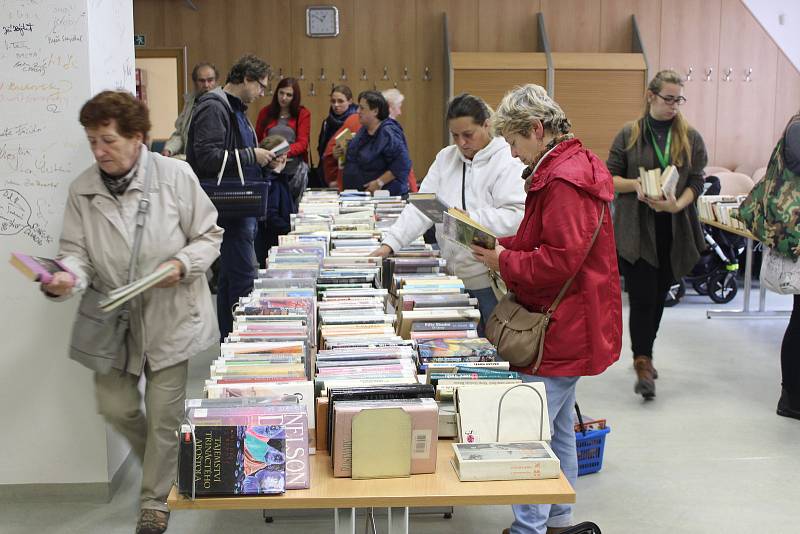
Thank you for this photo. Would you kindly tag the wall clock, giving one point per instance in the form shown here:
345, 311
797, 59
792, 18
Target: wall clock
322, 21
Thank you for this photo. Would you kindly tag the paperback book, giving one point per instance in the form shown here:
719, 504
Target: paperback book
464, 231
531, 460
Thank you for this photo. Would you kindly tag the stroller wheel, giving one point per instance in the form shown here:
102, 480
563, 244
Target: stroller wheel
722, 287
701, 286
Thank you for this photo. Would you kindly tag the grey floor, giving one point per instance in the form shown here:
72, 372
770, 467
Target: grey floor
708, 455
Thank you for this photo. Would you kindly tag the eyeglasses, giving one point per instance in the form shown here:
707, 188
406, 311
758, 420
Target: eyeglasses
669, 99
263, 87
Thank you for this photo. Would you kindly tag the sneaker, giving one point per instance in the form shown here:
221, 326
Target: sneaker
644, 377
152, 522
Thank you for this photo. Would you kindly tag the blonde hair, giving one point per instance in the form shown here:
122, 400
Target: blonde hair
681, 150
393, 96
522, 106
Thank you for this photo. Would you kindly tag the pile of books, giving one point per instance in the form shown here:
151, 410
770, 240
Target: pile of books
723, 209
243, 446
657, 183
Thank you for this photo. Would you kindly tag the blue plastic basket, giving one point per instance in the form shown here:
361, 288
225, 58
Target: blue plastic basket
590, 450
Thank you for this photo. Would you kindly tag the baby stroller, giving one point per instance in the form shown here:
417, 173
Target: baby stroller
715, 274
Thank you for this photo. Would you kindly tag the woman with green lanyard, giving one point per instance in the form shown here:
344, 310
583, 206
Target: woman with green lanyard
658, 240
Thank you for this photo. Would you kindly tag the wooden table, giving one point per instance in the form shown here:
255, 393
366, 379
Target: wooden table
745, 312
344, 495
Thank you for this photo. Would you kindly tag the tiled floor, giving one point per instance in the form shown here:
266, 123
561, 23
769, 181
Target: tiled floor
708, 455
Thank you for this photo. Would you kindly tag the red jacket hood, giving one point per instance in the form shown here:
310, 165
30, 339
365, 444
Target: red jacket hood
568, 161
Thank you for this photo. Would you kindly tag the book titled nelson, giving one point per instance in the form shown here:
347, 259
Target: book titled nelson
520, 460
37, 268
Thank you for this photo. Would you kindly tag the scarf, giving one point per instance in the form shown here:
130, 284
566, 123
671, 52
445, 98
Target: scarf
117, 185
331, 125
527, 173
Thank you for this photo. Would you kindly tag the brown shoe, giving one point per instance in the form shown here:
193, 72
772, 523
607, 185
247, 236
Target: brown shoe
644, 377
506, 531
152, 522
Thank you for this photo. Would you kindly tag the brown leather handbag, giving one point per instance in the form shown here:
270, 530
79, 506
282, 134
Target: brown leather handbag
518, 333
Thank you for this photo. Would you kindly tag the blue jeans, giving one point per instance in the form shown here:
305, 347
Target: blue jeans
237, 268
535, 518
486, 303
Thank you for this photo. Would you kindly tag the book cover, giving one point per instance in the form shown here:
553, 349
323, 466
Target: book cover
458, 347
37, 268
462, 230
532, 460
232, 460
429, 204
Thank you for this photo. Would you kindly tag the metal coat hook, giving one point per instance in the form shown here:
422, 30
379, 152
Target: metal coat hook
302, 74
322, 74
343, 77
728, 74
280, 73
405, 77
311, 90
689, 74
374, 86
748, 74
363, 74
385, 73
395, 84
708, 73
427, 74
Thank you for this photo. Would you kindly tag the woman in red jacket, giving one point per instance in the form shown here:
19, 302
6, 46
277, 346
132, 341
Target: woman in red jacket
569, 190
285, 117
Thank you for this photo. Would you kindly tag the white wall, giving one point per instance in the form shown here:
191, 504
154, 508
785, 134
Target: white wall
51, 431
781, 20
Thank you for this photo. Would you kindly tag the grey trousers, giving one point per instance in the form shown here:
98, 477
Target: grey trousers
152, 437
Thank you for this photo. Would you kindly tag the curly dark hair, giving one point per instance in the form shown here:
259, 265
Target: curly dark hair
132, 115
248, 67
375, 101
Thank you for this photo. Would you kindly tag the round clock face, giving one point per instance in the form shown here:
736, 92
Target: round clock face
322, 21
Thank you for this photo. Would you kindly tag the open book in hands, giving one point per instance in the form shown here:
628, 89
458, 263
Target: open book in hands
659, 184
121, 295
465, 231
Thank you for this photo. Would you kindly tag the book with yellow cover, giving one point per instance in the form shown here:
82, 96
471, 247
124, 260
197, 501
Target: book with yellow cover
461, 229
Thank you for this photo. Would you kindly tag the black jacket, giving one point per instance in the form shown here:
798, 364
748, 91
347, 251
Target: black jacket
212, 133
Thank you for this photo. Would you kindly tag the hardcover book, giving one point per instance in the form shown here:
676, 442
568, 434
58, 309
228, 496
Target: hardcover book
37, 268
505, 461
232, 460
429, 204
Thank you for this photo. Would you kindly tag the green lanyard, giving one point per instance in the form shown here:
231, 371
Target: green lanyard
663, 158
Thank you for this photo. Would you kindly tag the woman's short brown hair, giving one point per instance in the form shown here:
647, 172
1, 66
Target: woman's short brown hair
131, 114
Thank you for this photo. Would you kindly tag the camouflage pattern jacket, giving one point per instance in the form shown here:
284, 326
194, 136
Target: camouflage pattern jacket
772, 209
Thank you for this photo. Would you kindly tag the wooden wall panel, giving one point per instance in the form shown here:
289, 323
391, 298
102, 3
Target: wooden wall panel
616, 29
463, 27
572, 25
787, 95
598, 103
492, 85
690, 33
745, 109
392, 27
507, 26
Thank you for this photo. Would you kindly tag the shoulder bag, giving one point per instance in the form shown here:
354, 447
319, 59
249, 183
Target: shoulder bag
518, 333
99, 337
780, 273
237, 198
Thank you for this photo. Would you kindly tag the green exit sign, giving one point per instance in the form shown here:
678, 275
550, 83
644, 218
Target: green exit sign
138, 39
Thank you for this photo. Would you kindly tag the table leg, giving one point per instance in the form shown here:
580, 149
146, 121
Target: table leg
397, 520
344, 521
745, 312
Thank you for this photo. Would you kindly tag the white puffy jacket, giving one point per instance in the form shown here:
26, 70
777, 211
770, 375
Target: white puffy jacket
494, 195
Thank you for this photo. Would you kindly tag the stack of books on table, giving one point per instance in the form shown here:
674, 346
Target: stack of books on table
243, 447
387, 210
382, 431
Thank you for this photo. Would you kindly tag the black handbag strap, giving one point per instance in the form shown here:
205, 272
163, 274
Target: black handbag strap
552, 309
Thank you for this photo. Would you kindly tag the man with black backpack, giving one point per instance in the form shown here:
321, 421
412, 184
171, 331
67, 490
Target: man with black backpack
220, 140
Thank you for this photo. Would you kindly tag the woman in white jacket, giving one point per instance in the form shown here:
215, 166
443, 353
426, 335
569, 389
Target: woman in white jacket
477, 175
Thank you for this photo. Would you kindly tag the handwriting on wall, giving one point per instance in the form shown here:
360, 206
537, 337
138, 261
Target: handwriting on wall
44, 57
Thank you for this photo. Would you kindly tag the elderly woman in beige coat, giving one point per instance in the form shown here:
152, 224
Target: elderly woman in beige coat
168, 323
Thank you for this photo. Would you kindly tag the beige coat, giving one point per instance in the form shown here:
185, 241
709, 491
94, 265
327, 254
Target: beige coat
168, 325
